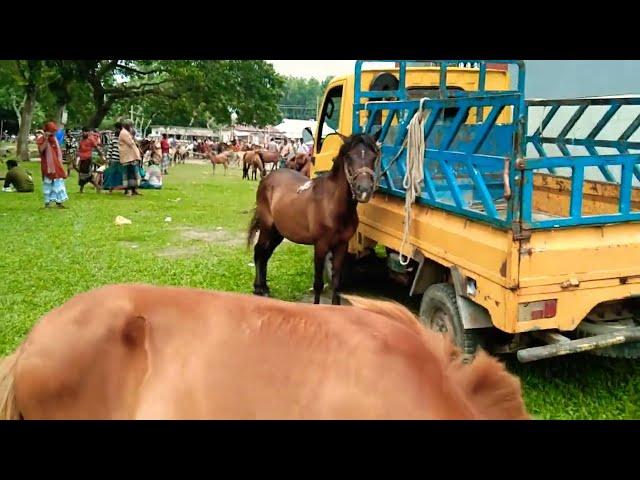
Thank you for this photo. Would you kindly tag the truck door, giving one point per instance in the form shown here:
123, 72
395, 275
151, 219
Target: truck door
328, 143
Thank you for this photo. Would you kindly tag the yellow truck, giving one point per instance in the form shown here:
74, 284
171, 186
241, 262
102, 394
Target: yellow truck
523, 235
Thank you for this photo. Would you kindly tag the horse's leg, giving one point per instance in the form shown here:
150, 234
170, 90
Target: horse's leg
319, 254
214, 168
338, 253
268, 240
274, 241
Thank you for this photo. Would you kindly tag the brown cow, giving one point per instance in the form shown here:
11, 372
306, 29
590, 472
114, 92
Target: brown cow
177, 353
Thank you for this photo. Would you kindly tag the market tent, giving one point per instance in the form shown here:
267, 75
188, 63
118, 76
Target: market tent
293, 128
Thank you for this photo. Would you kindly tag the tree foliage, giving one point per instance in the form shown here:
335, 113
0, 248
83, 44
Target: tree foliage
182, 92
301, 97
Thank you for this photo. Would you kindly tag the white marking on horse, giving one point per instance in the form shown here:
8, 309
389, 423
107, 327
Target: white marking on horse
305, 186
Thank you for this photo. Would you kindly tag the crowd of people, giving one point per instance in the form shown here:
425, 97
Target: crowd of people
116, 165
114, 161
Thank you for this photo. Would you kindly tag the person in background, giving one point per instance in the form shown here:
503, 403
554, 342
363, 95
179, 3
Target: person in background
302, 148
53, 173
18, 178
153, 177
166, 159
129, 158
86, 148
113, 172
60, 136
272, 146
285, 152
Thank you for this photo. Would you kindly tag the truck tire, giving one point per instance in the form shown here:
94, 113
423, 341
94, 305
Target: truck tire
439, 312
626, 350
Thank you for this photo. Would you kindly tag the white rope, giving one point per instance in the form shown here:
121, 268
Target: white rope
414, 178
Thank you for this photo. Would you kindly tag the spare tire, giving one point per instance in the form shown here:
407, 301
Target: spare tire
587, 328
382, 82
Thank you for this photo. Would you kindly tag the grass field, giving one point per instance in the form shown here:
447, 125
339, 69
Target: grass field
48, 255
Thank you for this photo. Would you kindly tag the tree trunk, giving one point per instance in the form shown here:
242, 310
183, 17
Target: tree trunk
26, 116
101, 112
59, 112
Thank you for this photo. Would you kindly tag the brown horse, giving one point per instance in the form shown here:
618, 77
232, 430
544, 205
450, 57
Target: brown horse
269, 157
320, 212
219, 159
252, 160
180, 154
301, 163
180, 353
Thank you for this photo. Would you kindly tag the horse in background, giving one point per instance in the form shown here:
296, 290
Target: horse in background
251, 160
219, 159
267, 157
301, 162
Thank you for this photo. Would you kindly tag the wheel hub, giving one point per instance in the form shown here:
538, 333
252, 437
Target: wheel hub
440, 322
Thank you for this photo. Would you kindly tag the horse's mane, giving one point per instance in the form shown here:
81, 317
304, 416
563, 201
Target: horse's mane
489, 388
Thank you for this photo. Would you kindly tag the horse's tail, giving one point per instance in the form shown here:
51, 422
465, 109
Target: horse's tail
254, 226
8, 406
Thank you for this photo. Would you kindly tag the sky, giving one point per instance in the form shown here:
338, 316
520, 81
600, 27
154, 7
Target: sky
319, 69
545, 78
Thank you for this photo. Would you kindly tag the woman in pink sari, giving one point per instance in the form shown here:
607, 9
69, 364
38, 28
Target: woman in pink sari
53, 173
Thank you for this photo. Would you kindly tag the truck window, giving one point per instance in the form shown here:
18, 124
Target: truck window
330, 117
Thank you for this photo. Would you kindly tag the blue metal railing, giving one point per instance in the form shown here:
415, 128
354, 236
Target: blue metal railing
578, 165
464, 167
464, 163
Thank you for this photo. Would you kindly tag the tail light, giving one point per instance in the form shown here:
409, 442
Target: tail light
537, 310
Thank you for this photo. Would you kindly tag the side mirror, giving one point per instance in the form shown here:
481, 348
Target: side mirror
307, 135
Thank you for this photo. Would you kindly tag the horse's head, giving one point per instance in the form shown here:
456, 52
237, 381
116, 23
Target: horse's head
361, 159
145, 145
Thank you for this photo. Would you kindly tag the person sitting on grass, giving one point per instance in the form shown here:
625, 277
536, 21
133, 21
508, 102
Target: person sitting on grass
18, 178
153, 177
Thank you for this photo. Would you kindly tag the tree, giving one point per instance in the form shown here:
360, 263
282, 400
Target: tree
301, 97
116, 80
22, 81
179, 91
67, 72
206, 92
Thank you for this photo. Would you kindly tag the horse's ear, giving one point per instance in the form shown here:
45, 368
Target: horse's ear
343, 137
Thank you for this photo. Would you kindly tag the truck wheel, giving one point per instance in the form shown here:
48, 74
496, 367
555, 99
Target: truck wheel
439, 312
587, 328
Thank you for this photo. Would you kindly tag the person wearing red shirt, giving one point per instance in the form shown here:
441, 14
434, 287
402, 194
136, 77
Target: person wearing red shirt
53, 173
85, 159
165, 147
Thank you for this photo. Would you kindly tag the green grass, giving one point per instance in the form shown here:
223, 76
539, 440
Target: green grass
49, 255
